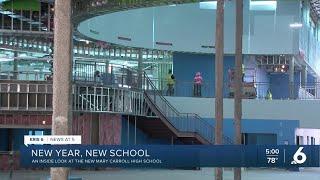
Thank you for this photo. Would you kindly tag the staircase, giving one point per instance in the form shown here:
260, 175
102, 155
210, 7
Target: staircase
183, 125
157, 117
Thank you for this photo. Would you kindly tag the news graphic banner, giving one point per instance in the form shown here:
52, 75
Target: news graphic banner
51, 139
169, 156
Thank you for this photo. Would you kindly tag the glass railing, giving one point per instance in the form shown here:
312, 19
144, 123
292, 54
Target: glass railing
250, 90
124, 77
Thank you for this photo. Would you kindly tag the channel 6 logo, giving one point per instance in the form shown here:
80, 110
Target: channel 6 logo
299, 157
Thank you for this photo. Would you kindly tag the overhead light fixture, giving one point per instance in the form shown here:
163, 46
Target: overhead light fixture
3, 59
208, 5
164, 43
124, 38
208, 46
296, 25
14, 16
263, 5
6, 12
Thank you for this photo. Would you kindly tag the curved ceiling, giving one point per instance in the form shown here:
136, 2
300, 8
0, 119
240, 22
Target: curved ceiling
191, 28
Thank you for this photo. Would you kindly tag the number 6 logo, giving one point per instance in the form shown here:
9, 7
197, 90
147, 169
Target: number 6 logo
299, 157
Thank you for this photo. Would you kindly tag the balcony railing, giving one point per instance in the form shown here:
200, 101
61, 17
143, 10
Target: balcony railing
122, 77
25, 96
25, 75
252, 90
105, 99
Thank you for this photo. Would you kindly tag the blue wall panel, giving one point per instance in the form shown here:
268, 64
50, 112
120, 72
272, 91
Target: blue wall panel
142, 138
185, 65
311, 80
4, 139
284, 129
279, 85
264, 129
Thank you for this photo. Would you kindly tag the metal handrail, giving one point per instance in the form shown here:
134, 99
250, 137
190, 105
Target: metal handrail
88, 101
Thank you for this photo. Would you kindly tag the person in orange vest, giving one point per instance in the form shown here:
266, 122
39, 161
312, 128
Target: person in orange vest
197, 85
243, 72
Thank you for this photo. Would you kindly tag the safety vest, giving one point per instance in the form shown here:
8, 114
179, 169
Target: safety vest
169, 79
269, 96
198, 79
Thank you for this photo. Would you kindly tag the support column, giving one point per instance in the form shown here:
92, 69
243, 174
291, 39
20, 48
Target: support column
238, 80
10, 139
95, 118
304, 76
135, 130
318, 87
107, 66
62, 114
219, 79
15, 65
291, 78
128, 130
140, 68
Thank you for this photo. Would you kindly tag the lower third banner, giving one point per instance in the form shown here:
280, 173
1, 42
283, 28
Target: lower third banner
168, 156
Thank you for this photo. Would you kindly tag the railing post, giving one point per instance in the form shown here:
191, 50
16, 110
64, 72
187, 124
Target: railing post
140, 72
122, 78
291, 77
147, 84
94, 98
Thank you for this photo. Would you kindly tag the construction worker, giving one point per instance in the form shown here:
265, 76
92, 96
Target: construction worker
170, 83
97, 76
197, 85
269, 95
243, 72
11, 164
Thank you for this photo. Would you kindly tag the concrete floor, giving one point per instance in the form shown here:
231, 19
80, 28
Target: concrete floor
204, 174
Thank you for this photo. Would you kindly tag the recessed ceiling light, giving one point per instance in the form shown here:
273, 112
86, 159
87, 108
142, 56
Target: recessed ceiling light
295, 25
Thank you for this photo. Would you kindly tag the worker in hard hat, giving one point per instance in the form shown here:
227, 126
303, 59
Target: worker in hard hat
243, 72
268, 95
170, 83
